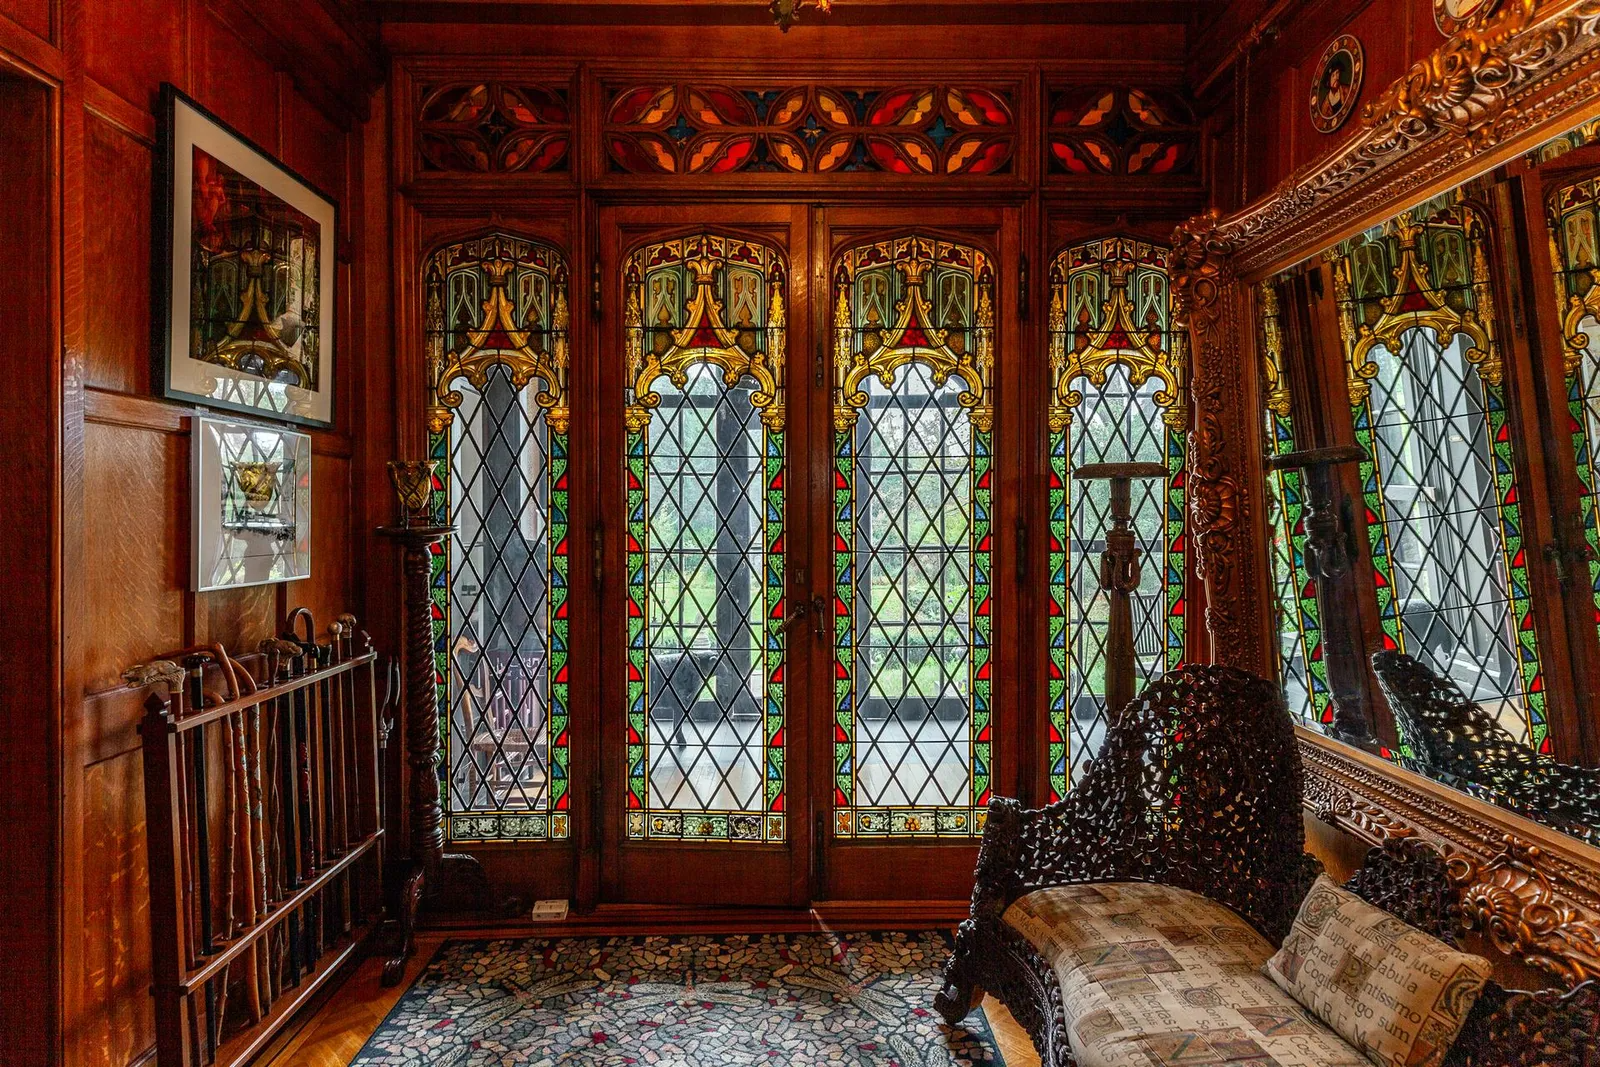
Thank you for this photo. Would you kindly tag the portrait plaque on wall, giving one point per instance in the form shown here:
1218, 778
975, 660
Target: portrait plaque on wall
1336, 83
252, 504
244, 274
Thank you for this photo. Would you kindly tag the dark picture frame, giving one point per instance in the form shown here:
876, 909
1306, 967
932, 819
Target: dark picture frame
245, 269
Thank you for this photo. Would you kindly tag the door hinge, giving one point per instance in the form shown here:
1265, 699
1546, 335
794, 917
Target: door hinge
1022, 549
594, 287
1022, 289
819, 855
597, 546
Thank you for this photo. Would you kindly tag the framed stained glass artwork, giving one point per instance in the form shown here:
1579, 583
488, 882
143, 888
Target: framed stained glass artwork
251, 504
245, 269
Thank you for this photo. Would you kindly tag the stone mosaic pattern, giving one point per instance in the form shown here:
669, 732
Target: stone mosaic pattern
852, 1000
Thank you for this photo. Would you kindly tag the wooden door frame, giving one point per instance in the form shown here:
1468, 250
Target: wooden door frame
693, 872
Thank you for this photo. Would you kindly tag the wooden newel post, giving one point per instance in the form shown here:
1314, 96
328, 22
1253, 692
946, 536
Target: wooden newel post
1330, 556
1119, 573
434, 879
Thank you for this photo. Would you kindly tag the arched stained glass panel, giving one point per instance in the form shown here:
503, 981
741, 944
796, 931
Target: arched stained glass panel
913, 446
1117, 395
496, 334
705, 508
1444, 514
1301, 669
1574, 220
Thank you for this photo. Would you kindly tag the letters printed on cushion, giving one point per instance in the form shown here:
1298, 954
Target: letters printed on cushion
1153, 976
1396, 993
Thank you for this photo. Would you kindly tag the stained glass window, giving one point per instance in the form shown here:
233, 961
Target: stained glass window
1117, 395
705, 508
496, 334
1443, 507
1301, 669
913, 446
1574, 219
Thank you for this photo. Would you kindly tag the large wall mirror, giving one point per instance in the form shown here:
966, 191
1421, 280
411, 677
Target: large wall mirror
1432, 411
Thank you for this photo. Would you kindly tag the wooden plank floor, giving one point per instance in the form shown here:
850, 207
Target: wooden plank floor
333, 1034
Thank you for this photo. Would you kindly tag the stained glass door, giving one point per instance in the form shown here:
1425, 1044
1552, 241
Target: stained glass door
699, 447
914, 745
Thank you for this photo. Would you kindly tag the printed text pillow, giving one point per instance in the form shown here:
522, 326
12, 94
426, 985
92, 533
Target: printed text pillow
1392, 991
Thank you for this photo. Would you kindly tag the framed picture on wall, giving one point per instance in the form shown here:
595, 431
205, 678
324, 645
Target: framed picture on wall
244, 274
252, 504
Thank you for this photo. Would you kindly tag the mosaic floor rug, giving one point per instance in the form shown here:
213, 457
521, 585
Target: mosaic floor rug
852, 1000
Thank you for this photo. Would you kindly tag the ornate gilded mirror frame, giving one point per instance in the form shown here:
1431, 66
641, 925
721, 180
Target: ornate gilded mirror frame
1506, 81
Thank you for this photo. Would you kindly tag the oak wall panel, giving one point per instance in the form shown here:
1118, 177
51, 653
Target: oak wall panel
134, 481
120, 1025
136, 512
31, 15
314, 146
132, 46
232, 80
329, 590
117, 259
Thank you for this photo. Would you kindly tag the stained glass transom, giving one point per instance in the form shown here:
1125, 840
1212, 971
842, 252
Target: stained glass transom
496, 334
1443, 507
1116, 396
705, 508
913, 451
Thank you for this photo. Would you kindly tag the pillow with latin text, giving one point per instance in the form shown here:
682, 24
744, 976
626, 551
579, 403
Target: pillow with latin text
1397, 994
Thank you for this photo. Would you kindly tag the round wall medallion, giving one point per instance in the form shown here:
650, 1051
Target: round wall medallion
1452, 15
1337, 83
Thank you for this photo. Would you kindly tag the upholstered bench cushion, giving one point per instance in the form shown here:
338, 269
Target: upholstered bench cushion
1153, 976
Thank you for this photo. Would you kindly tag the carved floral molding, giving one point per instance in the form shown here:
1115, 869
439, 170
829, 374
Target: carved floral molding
1533, 892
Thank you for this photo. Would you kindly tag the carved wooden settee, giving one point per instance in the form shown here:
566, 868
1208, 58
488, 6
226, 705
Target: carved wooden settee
1198, 788
1457, 741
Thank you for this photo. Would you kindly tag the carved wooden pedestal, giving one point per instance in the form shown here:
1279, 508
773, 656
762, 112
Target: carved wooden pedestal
1119, 573
1330, 557
433, 879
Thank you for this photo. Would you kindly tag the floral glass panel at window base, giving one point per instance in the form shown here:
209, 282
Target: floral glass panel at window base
1117, 395
496, 335
704, 412
913, 451
1302, 671
1573, 214
1444, 512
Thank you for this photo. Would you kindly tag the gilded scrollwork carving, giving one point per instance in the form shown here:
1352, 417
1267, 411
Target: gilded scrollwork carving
1495, 80
1511, 899
1535, 898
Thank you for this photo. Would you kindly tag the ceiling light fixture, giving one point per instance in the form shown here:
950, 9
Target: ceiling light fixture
787, 12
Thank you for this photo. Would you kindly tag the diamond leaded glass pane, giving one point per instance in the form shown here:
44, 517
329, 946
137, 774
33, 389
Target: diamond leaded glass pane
1115, 397
705, 506
913, 430
1444, 511
497, 412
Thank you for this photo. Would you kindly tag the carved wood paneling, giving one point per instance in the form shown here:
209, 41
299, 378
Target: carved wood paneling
1534, 892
